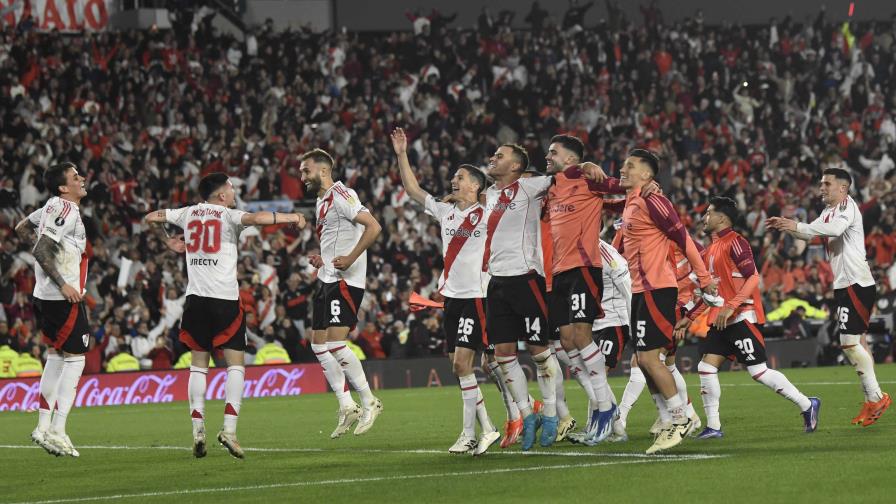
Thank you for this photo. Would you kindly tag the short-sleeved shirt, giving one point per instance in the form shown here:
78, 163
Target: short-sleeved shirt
339, 233
211, 234
463, 241
513, 216
60, 221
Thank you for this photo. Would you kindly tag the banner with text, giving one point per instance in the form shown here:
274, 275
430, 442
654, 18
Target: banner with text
115, 389
58, 15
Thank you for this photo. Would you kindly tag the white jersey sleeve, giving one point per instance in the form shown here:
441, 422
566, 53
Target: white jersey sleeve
177, 216
843, 229
34, 217
617, 295
435, 208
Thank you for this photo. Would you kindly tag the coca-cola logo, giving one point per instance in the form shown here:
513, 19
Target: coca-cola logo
19, 396
273, 382
146, 388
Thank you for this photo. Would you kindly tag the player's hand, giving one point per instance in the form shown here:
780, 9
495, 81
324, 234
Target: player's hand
316, 261
651, 188
343, 263
681, 328
176, 244
71, 294
593, 172
299, 220
722, 318
713, 288
781, 224
399, 141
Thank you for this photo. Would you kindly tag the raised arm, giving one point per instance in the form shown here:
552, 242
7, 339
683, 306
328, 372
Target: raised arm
372, 229
408, 179
803, 231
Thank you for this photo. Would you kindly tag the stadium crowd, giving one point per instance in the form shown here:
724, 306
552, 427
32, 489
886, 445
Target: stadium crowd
751, 112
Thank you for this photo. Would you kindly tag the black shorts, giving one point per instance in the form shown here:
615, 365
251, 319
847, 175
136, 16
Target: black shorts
611, 341
575, 297
210, 323
854, 305
63, 324
465, 324
553, 328
335, 305
741, 340
653, 319
517, 310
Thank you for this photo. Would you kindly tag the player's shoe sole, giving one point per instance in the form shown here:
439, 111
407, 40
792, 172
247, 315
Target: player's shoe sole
230, 442
346, 418
486, 441
368, 417
669, 438
566, 426
39, 438
877, 409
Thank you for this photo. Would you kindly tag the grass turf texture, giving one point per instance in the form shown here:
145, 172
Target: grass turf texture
764, 457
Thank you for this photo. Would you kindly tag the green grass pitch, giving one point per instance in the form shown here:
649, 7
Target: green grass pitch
142, 453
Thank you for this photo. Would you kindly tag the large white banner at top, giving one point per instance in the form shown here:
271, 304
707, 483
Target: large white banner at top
58, 15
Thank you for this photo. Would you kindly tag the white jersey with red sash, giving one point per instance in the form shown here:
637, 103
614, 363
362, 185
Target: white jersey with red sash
463, 242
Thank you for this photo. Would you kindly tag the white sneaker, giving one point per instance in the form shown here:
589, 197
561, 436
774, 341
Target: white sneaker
464, 444
619, 435
346, 418
670, 437
659, 426
40, 439
228, 440
485, 441
368, 416
199, 441
69, 447
696, 424
62, 443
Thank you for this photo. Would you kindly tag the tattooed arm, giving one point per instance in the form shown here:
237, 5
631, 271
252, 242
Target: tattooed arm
156, 221
45, 254
25, 230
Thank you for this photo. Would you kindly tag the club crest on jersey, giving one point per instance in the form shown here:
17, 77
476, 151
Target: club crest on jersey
843, 205
474, 218
59, 220
510, 192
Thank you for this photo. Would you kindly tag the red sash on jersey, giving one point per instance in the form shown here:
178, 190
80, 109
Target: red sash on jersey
324, 208
507, 195
719, 254
547, 247
460, 238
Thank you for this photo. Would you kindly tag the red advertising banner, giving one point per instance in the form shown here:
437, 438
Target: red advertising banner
149, 387
58, 15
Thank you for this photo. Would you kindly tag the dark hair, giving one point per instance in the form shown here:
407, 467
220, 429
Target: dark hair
55, 177
520, 154
477, 174
571, 143
839, 174
726, 206
648, 157
318, 156
211, 183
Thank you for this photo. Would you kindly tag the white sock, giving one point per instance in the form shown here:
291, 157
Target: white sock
49, 383
609, 391
233, 396
515, 380
353, 370
333, 373
559, 390
661, 407
633, 389
468, 392
196, 387
864, 364
72, 367
485, 422
546, 382
513, 411
776, 381
595, 363
675, 407
580, 372
682, 387
711, 393
561, 354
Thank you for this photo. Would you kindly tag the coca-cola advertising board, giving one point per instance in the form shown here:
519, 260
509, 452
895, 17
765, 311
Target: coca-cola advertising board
147, 387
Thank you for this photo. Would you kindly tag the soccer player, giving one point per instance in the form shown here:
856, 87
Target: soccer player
841, 226
346, 229
574, 206
60, 274
734, 328
213, 318
462, 283
650, 225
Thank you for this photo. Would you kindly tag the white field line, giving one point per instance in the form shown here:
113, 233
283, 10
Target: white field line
535, 453
193, 491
